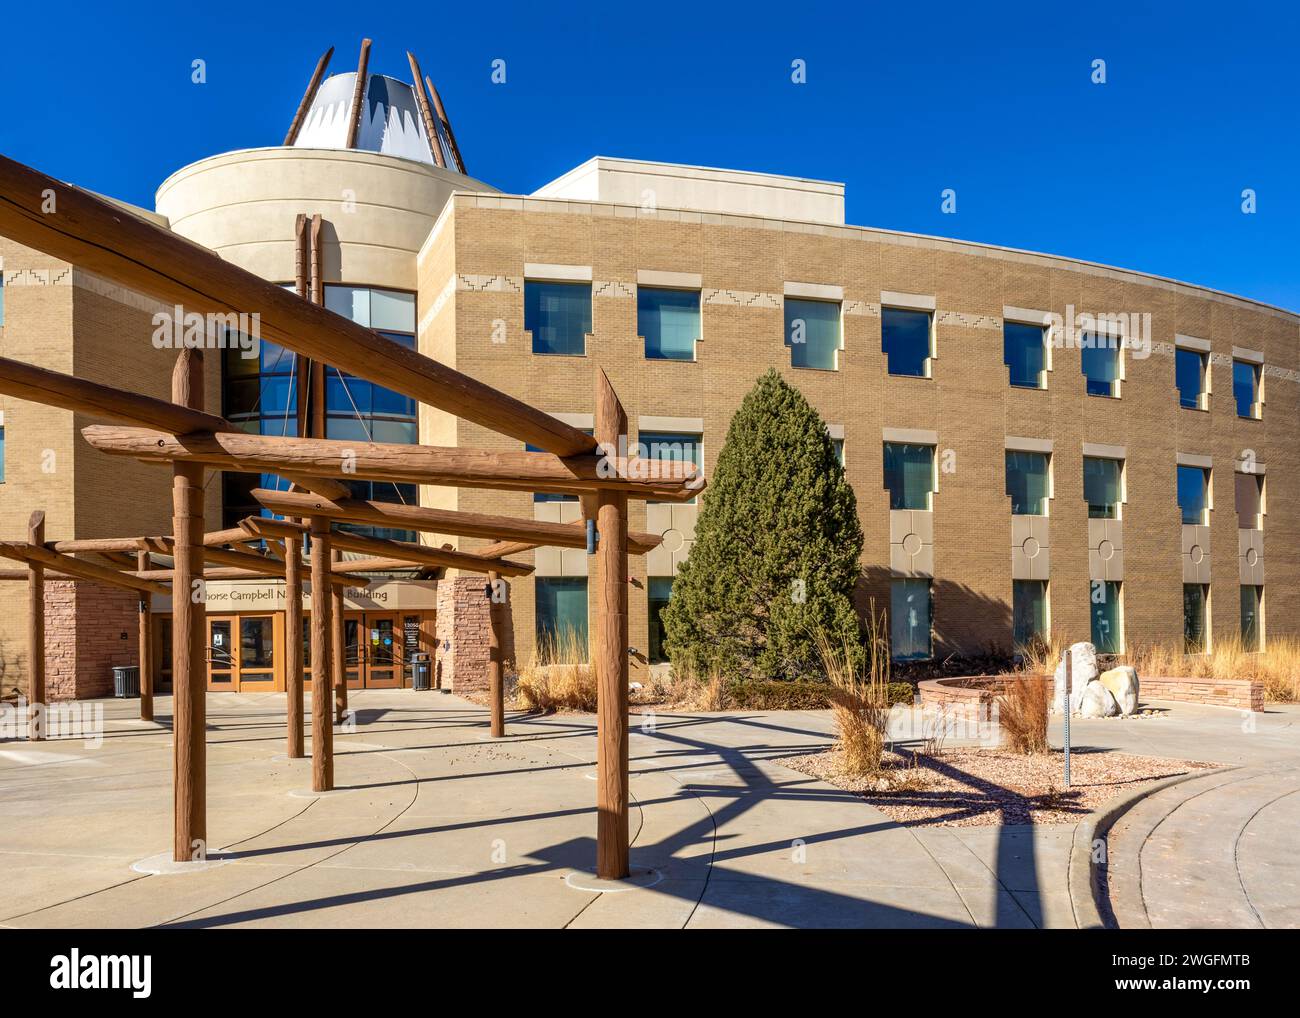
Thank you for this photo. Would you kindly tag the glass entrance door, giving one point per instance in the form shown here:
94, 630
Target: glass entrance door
221, 658
241, 653
383, 652
353, 653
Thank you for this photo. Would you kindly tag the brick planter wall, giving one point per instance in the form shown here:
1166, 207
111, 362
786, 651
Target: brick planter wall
1243, 694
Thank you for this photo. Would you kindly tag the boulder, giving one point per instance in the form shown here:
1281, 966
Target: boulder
1097, 702
1083, 672
1123, 685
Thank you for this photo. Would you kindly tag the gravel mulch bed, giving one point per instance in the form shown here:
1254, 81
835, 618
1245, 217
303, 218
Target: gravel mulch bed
985, 787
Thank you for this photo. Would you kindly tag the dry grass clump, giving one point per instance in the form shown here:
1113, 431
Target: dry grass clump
1023, 706
558, 676
859, 696
1277, 666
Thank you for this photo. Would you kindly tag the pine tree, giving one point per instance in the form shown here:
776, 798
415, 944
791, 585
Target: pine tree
777, 547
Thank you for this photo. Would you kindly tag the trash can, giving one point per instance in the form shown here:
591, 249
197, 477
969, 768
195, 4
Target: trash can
420, 671
126, 681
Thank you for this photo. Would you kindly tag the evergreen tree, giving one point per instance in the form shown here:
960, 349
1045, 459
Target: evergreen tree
777, 547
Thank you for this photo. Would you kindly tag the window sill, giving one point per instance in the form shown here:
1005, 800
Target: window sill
544, 353
1027, 388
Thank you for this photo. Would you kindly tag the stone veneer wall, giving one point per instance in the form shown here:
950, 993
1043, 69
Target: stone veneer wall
463, 625
89, 628
1243, 694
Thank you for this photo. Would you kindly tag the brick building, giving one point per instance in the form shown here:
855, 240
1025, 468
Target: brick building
1037, 444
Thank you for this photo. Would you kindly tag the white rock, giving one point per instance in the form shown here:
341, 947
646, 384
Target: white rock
1097, 702
1084, 671
1123, 685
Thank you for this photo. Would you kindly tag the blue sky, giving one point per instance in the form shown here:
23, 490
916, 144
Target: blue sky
901, 102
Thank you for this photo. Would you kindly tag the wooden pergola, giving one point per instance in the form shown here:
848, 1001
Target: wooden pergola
182, 435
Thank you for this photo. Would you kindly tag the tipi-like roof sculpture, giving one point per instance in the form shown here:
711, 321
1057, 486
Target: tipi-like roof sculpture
386, 115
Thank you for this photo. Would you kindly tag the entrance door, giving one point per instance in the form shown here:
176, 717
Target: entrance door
383, 653
241, 653
221, 656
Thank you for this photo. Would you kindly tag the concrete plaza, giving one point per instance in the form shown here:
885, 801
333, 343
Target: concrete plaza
435, 824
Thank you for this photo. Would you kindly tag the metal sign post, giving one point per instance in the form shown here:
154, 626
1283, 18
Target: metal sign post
1069, 669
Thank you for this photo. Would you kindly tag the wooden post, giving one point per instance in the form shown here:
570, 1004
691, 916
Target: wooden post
293, 644
422, 100
36, 631
611, 653
189, 637
146, 643
358, 96
337, 672
308, 96
322, 733
496, 680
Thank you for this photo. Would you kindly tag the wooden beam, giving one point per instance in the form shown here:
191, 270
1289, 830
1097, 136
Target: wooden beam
189, 634
522, 534
419, 554
322, 733
103, 402
374, 564
164, 576
36, 628
21, 576
78, 568
435, 147
308, 96
145, 636
51, 388
293, 644
358, 95
497, 590
611, 655
415, 464
446, 124
100, 237
100, 545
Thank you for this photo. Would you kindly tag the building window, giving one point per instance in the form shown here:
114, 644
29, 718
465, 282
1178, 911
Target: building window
1107, 616
909, 620
1190, 368
1252, 618
357, 410
669, 322
1196, 596
1194, 495
2, 455
1101, 363
669, 447
1028, 612
558, 315
561, 614
838, 445
906, 337
909, 475
660, 589
1028, 482
1024, 351
1245, 389
1103, 487
812, 332
1250, 501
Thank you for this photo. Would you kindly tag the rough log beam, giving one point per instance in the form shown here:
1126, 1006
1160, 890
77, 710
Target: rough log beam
525, 533
142, 256
412, 464
78, 568
420, 554
358, 95
435, 147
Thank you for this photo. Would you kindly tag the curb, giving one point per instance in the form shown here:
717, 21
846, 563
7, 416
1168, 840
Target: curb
1085, 874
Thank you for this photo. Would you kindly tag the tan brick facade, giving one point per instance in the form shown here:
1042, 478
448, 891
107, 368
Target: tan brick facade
744, 264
